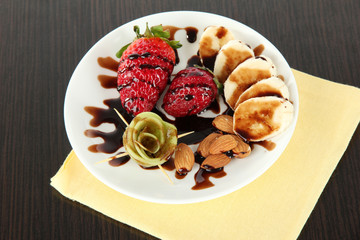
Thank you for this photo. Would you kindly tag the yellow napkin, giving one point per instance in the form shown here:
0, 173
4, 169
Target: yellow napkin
275, 206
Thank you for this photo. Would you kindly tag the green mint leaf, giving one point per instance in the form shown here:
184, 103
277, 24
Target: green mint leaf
121, 51
174, 44
158, 31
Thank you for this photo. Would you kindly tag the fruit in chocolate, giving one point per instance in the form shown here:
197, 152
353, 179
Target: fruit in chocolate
145, 68
191, 91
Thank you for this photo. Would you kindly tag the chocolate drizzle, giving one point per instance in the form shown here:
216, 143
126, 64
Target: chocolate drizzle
146, 55
258, 50
130, 65
128, 84
202, 176
268, 145
193, 61
205, 87
191, 32
116, 162
108, 63
112, 141
107, 82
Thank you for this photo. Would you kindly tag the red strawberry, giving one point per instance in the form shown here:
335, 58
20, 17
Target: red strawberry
191, 91
145, 69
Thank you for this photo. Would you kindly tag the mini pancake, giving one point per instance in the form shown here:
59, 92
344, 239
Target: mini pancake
262, 118
273, 86
229, 57
213, 38
246, 74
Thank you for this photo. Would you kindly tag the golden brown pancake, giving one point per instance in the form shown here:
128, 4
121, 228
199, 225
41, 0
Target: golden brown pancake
261, 118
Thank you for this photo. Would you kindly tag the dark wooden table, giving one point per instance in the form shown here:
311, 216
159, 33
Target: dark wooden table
43, 41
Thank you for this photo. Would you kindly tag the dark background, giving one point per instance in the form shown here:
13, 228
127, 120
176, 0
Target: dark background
43, 41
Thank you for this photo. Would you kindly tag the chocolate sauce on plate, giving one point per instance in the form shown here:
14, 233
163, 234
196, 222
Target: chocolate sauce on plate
116, 162
258, 50
268, 145
193, 61
191, 32
112, 141
108, 63
202, 178
209, 62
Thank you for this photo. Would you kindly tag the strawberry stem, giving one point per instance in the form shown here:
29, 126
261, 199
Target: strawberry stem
148, 33
154, 31
122, 50
137, 31
159, 32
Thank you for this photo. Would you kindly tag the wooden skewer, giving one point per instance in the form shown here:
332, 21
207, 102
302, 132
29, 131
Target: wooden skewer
111, 158
124, 154
167, 176
127, 124
121, 117
185, 134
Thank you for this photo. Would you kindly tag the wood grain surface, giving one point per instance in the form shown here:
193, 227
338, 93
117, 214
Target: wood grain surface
42, 43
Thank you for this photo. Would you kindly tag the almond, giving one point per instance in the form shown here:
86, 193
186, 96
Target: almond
222, 144
204, 145
184, 159
224, 123
242, 149
215, 161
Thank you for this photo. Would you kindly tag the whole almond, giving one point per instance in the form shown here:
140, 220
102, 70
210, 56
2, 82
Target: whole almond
242, 149
204, 145
215, 161
224, 123
184, 158
222, 144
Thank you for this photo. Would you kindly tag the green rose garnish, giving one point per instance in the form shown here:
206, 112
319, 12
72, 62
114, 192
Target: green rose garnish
149, 140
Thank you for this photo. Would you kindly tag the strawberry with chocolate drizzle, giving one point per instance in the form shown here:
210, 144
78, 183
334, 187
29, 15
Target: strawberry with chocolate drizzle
145, 68
191, 91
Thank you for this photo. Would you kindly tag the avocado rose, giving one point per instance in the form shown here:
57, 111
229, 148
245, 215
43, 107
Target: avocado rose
149, 140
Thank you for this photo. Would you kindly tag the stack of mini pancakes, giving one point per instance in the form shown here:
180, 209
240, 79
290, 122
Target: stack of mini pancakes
252, 87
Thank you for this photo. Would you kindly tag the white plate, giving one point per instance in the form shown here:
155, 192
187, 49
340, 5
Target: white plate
151, 185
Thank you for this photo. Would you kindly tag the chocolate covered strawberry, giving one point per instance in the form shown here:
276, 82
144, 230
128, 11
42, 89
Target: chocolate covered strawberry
191, 91
145, 68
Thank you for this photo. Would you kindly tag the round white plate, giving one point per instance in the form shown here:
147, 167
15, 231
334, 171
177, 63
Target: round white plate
151, 185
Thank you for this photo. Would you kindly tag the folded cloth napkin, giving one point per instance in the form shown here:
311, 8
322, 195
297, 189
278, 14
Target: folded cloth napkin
274, 206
